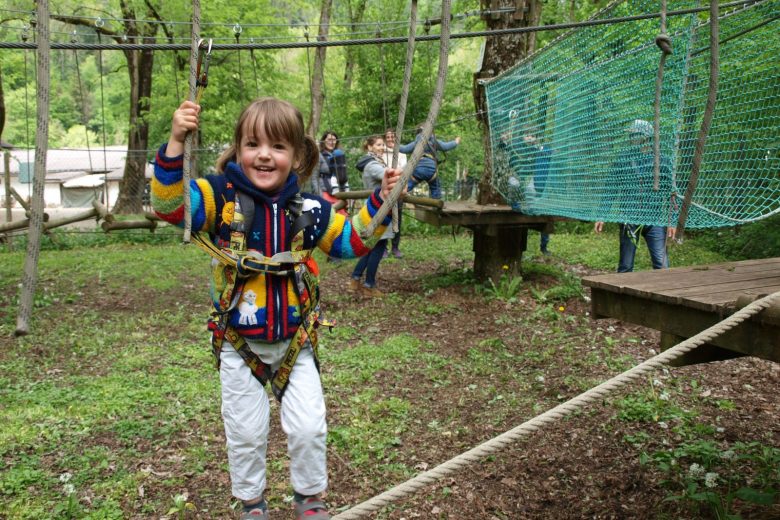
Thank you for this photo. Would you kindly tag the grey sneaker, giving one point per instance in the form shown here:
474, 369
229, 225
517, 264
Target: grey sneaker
254, 514
311, 509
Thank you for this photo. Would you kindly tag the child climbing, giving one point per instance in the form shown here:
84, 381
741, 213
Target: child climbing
260, 229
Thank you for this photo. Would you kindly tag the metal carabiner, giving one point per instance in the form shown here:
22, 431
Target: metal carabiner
202, 75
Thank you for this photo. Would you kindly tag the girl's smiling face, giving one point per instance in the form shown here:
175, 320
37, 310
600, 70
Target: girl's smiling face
266, 162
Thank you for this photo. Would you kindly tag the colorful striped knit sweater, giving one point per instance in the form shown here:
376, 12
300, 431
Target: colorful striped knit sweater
268, 309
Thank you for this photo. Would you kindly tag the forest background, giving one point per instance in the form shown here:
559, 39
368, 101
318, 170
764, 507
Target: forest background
91, 96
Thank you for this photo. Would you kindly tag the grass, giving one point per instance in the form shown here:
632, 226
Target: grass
113, 393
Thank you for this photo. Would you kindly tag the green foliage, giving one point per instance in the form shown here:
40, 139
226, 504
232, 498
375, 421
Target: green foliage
507, 287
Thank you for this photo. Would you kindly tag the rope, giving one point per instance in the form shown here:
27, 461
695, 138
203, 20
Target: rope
26, 106
194, 49
704, 130
374, 41
399, 129
665, 44
404, 100
427, 128
595, 394
30, 274
383, 79
84, 118
254, 68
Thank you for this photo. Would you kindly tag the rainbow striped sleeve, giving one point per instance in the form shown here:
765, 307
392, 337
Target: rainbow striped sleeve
342, 236
167, 194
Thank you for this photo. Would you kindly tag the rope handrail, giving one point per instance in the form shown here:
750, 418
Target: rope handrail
373, 41
594, 394
188, 140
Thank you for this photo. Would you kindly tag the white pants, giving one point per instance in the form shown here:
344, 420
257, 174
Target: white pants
246, 414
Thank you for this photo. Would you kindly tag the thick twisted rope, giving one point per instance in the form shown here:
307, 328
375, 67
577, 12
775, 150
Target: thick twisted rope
187, 174
595, 394
704, 130
427, 127
30, 274
399, 128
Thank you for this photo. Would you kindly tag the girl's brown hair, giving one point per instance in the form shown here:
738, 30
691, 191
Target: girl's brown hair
280, 120
371, 140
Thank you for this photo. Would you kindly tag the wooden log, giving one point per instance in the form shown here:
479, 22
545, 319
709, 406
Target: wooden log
78, 217
103, 212
20, 200
151, 225
411, 199
15, 225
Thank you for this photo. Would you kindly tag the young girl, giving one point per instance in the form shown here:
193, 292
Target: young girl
260, 230
373, 166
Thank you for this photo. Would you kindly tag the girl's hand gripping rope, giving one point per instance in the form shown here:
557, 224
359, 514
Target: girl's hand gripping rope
392, 175
185, 119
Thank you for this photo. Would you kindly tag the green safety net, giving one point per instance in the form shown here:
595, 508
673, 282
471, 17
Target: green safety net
571, 126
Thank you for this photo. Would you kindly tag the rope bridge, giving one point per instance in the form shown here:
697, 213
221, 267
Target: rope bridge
572, 125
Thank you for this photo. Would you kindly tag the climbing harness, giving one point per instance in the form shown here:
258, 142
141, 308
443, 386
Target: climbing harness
234, 265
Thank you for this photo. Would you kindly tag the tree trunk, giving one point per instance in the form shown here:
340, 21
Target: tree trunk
498, 250
350, 52
318, 74
497, 247
2, 105
139, 68
131, 188
500, 53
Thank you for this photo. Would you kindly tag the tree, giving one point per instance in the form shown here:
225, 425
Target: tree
318, 75
139, 69
500, 53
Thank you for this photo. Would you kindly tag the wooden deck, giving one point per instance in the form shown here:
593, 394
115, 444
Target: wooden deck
681, 302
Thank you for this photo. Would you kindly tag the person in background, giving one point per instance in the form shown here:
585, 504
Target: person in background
337, 163
427, 167
541, 166
631, 179
390, 144
372, 166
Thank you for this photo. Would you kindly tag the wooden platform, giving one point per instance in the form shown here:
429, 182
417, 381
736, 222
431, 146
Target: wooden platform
681, 302
468, 214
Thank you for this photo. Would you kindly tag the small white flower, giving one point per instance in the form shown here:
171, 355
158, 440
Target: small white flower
69, 488
657, 382
65, 477
711, 479
664, 396
695, 470
663, 425
728, 455
610, 329
540, 379
720, 429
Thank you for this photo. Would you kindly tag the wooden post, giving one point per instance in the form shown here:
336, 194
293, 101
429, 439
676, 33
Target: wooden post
496, 247
30, 275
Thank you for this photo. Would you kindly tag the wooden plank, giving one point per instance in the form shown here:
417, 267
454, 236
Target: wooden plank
752, 337
671, 282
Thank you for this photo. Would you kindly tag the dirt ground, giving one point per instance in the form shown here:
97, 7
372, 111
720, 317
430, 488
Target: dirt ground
580, 467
